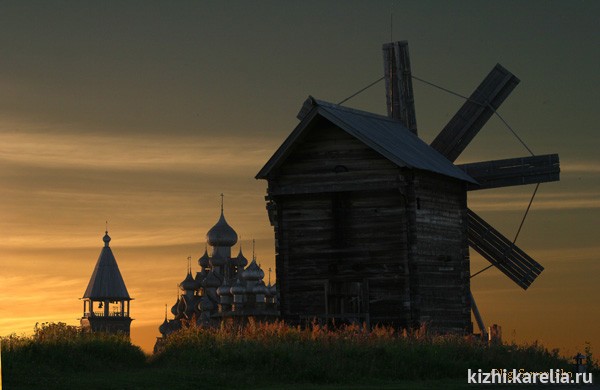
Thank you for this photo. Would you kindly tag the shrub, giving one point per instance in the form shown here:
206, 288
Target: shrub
57, 348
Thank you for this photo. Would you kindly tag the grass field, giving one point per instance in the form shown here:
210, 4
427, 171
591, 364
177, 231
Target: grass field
260, 356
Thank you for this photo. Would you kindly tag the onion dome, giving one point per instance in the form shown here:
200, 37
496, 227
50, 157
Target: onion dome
106, 238
164, 327
253, 272
206, 304
174, 325
174, 310
188, 283
181, 305
211, 280
238, 288
261, 289
217, 259
204, 261
241, 260
224, 289
221, 234
200, 277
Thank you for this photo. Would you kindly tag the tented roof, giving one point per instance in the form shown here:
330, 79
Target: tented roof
106, 281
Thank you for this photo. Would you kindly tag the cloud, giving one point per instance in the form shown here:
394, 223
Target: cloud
94, 151
586, 167
20, 311
518, 201
157, 190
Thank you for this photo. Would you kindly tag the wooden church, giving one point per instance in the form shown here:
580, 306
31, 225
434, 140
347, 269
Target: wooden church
371, 223
106, 301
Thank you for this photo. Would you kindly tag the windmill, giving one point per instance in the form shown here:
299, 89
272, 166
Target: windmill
453, 139
371, 223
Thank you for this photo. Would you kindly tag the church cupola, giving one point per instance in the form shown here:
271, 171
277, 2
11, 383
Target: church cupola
221, 235
189, 284
204, 260
226, 287
241, 260
253, 273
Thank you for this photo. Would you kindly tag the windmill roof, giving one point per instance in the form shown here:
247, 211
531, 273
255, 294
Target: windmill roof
384, 135
106, 281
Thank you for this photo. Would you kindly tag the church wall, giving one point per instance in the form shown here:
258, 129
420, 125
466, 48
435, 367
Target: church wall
113, 325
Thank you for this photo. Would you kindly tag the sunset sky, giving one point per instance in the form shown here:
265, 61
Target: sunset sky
141, 113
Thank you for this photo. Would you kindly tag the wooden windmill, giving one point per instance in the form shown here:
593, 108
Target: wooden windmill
372, 224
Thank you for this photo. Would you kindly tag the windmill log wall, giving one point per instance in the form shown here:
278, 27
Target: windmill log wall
351, 226
442, 264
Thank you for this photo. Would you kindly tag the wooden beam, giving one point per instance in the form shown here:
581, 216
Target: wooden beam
513, 171
501, 252
307, 106
480, 324
398, 84
476, 111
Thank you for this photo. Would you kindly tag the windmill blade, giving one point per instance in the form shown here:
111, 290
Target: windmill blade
476, 111
501, 252
398, 84
513, 171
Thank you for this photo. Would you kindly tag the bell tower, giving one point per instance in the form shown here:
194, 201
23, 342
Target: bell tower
106, 300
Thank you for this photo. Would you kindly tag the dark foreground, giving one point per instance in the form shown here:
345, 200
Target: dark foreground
259, 356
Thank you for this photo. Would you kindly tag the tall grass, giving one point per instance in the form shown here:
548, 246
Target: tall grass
346, 355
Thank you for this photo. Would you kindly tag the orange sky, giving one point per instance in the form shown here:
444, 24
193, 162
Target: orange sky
142, 114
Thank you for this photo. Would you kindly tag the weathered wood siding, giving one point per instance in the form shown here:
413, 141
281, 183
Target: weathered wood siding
372, 250
330, 160
343, 212
441, 266
340, 217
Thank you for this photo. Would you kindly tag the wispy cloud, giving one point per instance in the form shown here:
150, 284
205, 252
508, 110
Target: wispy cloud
519, 201
585, 167
152, 152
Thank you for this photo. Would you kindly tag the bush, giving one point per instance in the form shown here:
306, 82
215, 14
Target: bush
57, 348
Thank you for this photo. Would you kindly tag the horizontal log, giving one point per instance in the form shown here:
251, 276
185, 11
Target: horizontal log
333, 186
330, 161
